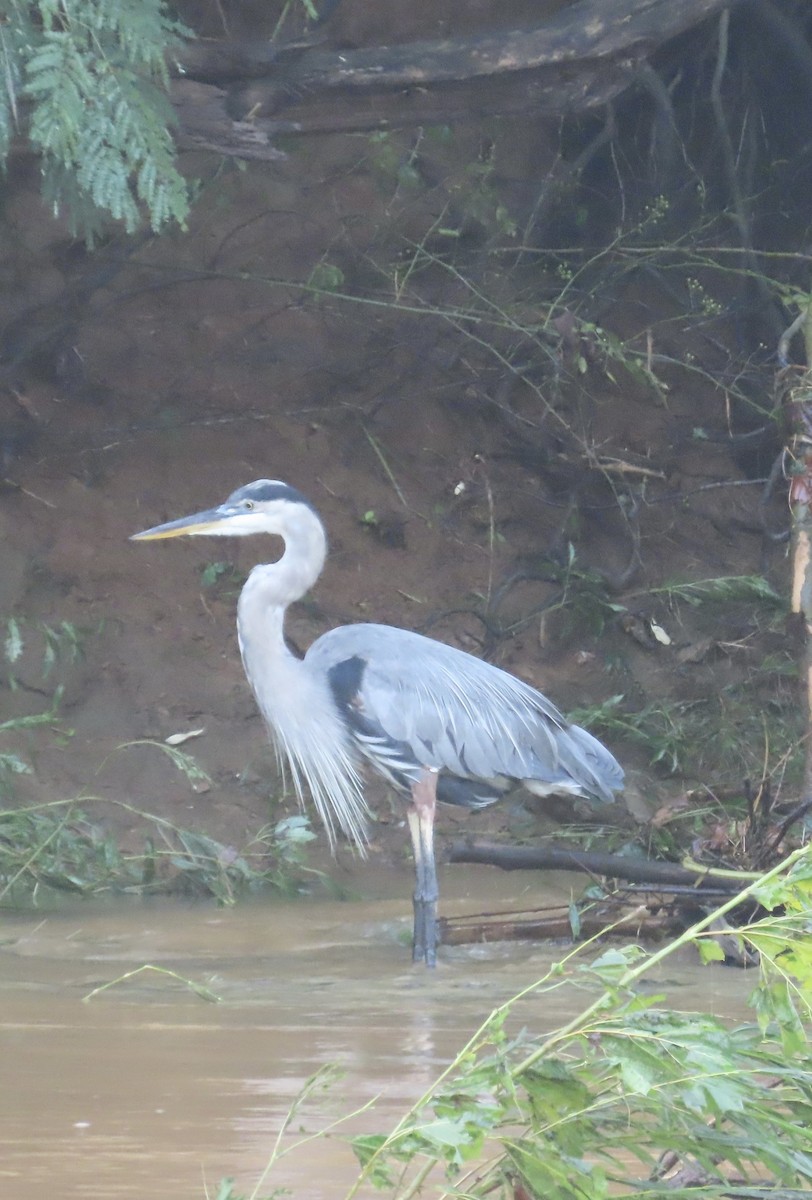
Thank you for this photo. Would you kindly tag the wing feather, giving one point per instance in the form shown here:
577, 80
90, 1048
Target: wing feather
465, 716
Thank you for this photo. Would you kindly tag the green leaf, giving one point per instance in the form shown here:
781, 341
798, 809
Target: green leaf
14, 640
295, 829
710, 950
326, 277
212, 572
29, 722
96, 76
554, 1091
12, 764
366, 1148
724, 589
615, 962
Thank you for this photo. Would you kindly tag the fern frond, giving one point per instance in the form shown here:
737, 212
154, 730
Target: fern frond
96, 73
723, 589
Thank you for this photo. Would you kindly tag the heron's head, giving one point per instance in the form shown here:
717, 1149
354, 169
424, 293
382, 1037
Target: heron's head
265, 506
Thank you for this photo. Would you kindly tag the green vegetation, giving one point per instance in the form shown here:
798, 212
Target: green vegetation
585, 604
222, 577
326, 277
95, 77
722, 731
718, 735
12, 763
57, 644
629, 1098
51, 646
727, 590
199, 990
59, 848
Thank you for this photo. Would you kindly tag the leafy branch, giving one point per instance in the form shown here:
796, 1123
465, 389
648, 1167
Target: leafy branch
89, 83
627, 1097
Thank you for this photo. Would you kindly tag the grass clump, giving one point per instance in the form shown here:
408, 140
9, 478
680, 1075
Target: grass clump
58, 848
48, 647
726, 735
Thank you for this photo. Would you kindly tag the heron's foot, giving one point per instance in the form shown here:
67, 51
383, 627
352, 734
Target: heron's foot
424, 941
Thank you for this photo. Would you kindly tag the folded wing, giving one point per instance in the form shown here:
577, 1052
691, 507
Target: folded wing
412, 702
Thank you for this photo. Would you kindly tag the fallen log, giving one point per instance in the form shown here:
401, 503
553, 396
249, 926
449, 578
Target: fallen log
583, 57
617, 866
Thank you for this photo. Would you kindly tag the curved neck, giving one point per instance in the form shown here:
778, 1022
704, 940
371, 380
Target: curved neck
271, 587
294, 697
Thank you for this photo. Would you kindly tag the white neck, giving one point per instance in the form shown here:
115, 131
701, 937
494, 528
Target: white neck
268, 591
276, 585
306, 727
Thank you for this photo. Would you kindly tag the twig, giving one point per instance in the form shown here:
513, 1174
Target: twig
787, 336
382, 460
18, 487
621, 467
799, 811
203, 992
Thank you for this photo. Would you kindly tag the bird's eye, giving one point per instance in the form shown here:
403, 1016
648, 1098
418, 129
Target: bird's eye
248, 504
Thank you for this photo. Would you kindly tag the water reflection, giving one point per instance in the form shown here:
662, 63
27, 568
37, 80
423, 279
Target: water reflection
148, 1090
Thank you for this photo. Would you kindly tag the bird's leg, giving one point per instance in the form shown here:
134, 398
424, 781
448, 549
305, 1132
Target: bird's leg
421, 827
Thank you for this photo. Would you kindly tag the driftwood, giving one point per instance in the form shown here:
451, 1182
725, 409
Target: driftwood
625, 914
666, 902
235, 97
556, 923
634, 870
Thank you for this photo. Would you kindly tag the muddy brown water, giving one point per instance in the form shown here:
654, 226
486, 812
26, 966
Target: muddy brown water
147, 1090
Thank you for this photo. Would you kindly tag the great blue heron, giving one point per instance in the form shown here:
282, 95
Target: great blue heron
436, 722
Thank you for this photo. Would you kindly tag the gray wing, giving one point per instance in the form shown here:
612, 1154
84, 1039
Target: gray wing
420, 703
